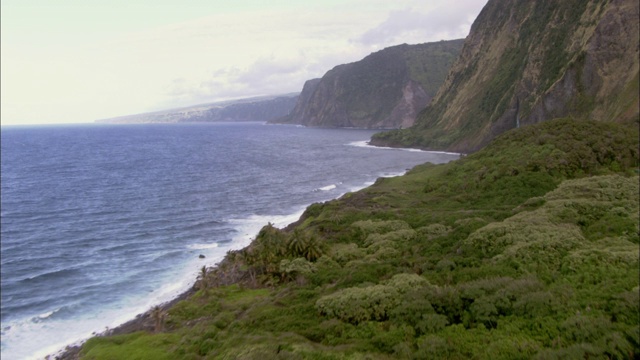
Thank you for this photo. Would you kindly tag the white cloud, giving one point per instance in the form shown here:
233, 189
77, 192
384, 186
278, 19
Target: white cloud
58, 76
412, 24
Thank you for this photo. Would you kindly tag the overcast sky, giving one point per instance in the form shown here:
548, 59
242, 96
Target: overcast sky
66, 61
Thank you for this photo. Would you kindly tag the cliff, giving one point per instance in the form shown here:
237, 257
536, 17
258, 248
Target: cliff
250, 109
527, 62
384, 90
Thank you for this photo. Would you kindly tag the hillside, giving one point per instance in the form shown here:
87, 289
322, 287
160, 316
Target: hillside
525, 249
251, 109
384, 90
526, 62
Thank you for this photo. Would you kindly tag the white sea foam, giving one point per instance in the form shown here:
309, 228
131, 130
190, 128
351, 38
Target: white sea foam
328, 187
365, 144
47, 314
249, 227
202, 246
51, 336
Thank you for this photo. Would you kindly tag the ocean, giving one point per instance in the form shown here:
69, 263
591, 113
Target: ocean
101, 222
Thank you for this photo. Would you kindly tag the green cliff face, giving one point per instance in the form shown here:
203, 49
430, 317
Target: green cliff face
527, 62
384, 90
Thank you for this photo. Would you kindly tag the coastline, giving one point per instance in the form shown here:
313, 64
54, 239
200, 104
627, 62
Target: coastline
144, 322
141, 322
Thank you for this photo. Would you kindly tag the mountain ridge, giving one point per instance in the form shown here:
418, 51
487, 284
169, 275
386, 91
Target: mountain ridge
261, 108
526, 63
386, 89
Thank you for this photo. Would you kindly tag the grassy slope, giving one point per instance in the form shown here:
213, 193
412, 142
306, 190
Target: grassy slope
528, 248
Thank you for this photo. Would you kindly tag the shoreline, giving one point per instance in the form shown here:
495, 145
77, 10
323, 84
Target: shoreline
143, 321
140, 322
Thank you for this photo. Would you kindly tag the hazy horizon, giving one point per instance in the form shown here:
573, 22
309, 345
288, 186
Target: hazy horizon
73, 62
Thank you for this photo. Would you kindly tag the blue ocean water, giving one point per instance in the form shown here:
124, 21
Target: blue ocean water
101, 222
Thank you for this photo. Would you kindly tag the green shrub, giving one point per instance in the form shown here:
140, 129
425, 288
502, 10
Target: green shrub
432, 347
343, 253
297, 266
374, 302
432, 231
392, 236
577, 351
430, 323
380, 227
624, 306
585, 329
356, 305
484, 311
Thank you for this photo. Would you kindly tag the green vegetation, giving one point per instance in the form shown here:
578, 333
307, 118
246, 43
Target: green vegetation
526, 249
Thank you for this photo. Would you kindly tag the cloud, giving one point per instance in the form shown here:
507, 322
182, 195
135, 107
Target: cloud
210, 54
266, 76
412, 25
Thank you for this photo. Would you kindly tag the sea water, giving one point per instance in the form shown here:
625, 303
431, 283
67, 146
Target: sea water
101, 222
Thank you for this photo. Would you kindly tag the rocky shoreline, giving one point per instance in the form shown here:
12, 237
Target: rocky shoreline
226, 272
142, 322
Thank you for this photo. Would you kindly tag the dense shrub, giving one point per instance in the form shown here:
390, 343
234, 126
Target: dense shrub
402, 235
380, 227
374, 302
343, 253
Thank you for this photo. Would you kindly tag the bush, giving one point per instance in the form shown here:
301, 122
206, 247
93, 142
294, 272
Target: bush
374, 302
392, 236
343, 253
356, 305
432, 231
297, 266
379, 226
432, 347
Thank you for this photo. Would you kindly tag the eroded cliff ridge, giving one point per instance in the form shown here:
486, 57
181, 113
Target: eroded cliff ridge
386, 89
527, 62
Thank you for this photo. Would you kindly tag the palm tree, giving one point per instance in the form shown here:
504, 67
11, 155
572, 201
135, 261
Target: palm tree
202, 278
248, 258
313, 249
297, 243
158, 318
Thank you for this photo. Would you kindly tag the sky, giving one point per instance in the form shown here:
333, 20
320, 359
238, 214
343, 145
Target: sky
76, 61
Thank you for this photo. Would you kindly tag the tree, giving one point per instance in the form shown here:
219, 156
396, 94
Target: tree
158, 318
297, 243
203, 282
